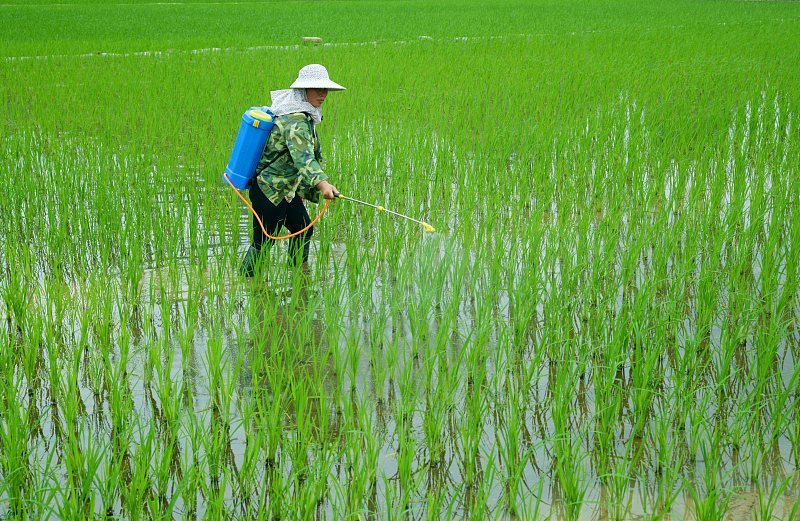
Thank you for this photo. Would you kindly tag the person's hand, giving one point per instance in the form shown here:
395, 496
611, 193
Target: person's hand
328, 190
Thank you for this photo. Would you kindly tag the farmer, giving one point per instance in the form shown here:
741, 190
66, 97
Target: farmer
289, 170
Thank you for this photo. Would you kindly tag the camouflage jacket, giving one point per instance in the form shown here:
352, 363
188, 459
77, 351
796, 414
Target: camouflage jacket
290, 164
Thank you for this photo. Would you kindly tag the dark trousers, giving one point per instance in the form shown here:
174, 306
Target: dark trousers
293, 215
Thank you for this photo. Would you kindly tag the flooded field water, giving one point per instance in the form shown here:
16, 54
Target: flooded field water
362, 360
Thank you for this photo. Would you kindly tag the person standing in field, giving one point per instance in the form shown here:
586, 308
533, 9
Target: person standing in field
290, 170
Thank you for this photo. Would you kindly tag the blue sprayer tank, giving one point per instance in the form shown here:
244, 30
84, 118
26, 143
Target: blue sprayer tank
257, 122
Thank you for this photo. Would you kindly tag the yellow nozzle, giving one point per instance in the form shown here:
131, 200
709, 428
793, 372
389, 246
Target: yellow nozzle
428, 228
381, 208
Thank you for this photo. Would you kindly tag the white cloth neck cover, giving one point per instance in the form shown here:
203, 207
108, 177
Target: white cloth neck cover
290, 101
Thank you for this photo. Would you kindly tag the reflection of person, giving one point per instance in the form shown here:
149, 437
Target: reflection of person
285, 357
289, 169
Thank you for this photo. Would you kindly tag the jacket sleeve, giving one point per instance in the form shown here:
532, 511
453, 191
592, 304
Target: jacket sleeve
300, 143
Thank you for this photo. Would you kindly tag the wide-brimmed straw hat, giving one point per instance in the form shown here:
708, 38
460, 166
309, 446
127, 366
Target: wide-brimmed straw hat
315, 76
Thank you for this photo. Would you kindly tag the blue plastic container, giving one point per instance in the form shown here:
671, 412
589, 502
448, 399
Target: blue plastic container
250, 142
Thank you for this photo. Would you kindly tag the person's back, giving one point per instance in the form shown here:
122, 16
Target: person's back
292, 161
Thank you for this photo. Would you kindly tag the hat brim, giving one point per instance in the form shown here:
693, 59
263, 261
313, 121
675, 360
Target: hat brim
316, 84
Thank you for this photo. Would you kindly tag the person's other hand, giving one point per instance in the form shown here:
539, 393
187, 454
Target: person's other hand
328, 190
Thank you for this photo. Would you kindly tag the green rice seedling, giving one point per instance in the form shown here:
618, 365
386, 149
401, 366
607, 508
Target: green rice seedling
781, 410
568, 469
697, 424
606, 418
108, 483
16, 290
644, 370
714, 503
378, 351
187, 494
278, 493
15, 444
509, 434
167, 469
408, 478
419, 309
478, 503
317, 488
271, 416
299, 447
82, 464
441, 380
41, 500
121, 408
136, 492
617, 486
766, 507
794, 435
169, 418
666, 465
250, 468
573, 490
471, 432
352, 359
361, 453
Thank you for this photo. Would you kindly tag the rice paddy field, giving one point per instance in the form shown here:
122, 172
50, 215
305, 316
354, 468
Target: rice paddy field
605, 325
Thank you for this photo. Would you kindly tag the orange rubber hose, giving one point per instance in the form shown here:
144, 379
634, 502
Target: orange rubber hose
281, 237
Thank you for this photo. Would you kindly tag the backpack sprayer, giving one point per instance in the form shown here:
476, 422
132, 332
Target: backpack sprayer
257, 123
